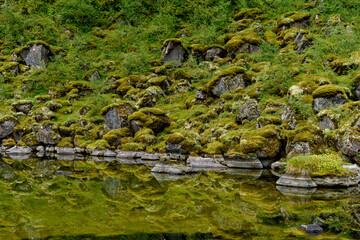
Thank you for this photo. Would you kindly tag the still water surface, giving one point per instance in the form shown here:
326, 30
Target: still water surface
54, 199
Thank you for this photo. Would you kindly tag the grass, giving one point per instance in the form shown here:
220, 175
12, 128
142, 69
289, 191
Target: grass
317, 165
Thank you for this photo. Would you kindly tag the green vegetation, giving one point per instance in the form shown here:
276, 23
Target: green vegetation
317, 165
107, 54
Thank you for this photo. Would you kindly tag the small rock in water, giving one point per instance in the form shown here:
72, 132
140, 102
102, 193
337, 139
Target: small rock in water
312, 229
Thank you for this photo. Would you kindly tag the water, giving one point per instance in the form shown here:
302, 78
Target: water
52, 199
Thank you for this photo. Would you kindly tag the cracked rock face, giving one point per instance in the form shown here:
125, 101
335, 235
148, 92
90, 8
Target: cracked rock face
117, 117
7, 128
322, 103
173, 52
250, 110
36, 56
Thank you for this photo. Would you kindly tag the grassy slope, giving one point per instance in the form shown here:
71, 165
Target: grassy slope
119, 39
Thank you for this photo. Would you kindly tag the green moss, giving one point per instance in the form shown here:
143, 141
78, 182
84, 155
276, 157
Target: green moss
99, 144
215, 147
121, 104
176, 40
246, 36
317, 165
8, 118
133, 147
328, 91
9, 142
66, 142
249, 13
292, 17
175, 138
145, 136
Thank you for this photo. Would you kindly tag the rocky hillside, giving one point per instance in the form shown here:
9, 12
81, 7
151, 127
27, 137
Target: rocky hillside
267, 79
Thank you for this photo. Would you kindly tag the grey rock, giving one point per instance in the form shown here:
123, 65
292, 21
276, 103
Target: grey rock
240, 161
109, 153
250, 110
201, 162
97, 152
302, 42
174, 148
326, 123
277, 166
23, 106
64, 173
173, 52
36, 55
7, 127
129, 154
226, 84
48, 135
215, 52
40, 149
322, 103
349, 144
117, 117
19, 150
150, 156
65, 150
288, 116
201, 95
50, 149
337, 181
291, 180
357, 91
298, 148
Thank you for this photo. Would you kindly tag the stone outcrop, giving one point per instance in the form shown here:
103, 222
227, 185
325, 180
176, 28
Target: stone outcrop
7, 125
291, 180
173, 52
116, 116
35, 55
240, 161
250, 110
48, 134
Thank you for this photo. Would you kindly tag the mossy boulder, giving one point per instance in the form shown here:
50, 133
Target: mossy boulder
348, 142
227, 81
115, 137
327, 96
153, 118
183, 142
48, 134
149, 97
294, 20
173, 52
42, 114
35, 55
252, 13
116, 115
328, 119
249, 110
145, 136
247, 41
7, 125
23, 106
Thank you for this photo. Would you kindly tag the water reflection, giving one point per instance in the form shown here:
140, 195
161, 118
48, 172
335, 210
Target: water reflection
43, 198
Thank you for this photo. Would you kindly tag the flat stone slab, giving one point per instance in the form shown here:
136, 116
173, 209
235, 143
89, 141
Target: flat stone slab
150, 156
291, 180
201, 162
129, 154
239, 161
19, 150
65, 150
337, 181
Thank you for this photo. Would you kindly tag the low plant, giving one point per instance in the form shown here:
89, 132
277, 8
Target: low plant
326, 164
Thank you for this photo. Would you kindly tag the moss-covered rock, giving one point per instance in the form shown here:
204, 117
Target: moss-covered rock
116, 115
173, 52
153, 118
247, 41
7, 124
327, 96
48, 133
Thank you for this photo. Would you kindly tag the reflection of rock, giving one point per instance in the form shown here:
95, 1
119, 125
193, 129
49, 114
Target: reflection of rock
113, 186
176, 169
163, 177
291, 180
6, 172
336, 193
312, 229
45, 168
296, 192
242, 173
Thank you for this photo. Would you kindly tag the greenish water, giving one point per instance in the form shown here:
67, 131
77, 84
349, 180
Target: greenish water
109, 200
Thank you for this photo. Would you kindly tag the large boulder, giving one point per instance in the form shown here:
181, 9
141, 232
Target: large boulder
153, 118
7, 124
35, 55
328, 96
48, 134
23, 106
349, 142
116, 115
250, 110
173, 52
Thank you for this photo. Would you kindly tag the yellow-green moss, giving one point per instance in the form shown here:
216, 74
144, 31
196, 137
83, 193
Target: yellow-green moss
99, 144
65, 142
249, 13
328, 91
133, 147
245, 36
175, 138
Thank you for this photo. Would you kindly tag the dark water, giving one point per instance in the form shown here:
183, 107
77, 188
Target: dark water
52, 199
